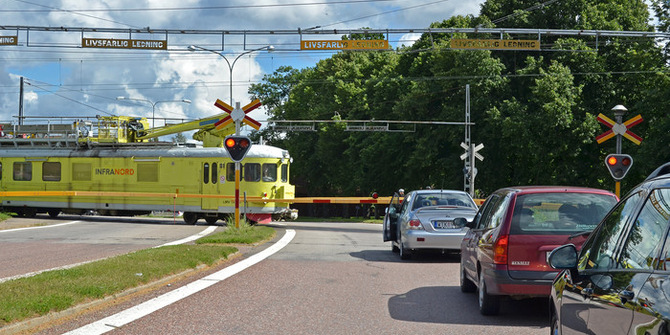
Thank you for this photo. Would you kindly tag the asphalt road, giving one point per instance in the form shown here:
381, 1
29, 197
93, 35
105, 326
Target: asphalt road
31, 245
332, 278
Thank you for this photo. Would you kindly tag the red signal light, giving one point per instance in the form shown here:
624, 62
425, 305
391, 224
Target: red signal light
612, 160
230, 143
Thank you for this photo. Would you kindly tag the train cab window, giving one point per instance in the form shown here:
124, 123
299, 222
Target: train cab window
269, 172
81, 171
215, 173
147, 172
230, 172
252, 172
23, 171
205, 173
51, 171
284, 173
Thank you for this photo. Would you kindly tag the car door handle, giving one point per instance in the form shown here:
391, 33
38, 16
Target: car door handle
626, 295
587, 292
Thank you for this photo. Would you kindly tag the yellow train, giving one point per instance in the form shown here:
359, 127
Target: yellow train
65, 174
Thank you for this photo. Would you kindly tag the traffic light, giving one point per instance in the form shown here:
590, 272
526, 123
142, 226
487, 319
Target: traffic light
237, 146
618, 165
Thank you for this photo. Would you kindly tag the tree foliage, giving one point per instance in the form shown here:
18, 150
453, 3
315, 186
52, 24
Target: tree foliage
535, 112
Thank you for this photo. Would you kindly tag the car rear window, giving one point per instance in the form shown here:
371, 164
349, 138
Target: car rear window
443, 199
559, 213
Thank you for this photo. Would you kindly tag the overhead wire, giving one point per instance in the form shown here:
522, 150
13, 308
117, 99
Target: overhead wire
209, 8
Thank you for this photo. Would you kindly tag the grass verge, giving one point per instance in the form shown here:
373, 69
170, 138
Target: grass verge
52, 291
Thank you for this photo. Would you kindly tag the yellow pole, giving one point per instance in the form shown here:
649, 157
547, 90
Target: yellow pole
617, 189
237, 195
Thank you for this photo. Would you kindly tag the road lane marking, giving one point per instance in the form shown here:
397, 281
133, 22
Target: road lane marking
131, 314
203, 233
39, 227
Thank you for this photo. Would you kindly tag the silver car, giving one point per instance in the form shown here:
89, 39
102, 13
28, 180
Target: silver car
424, 220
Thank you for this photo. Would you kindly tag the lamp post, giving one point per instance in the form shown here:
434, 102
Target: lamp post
153, 105
269, 48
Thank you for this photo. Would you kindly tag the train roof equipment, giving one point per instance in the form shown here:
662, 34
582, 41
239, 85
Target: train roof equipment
115, 131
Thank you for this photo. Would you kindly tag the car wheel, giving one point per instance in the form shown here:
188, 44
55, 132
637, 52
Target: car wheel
554, 322
467, 286
394, 247
211, 220
404, 253
488, 304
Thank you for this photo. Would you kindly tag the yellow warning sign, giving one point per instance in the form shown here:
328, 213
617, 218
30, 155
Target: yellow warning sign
495, 44
112, 43
344, 45
9, 40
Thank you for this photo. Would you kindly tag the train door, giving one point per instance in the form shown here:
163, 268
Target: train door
212, 173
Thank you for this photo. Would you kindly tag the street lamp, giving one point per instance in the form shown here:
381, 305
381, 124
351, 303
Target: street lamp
153, 105
269, 48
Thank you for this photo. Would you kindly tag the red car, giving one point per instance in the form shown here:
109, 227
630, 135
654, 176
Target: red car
505, 251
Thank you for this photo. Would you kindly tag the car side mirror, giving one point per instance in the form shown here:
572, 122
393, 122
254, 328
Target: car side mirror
563, 257
461, 222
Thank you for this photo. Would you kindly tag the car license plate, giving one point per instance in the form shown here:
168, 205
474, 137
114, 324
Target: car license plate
443, 224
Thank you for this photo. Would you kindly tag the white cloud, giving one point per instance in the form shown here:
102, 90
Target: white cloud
86, 82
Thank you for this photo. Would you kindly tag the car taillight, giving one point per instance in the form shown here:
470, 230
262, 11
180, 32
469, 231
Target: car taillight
415, 224
500, 250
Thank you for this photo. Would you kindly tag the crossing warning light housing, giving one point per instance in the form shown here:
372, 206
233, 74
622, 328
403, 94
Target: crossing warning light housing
618, 165
237, 146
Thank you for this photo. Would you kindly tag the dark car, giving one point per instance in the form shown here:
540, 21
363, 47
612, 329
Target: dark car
505, 251
620, 281
425, 221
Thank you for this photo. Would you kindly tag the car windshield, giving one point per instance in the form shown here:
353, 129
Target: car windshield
443, 199
559, 213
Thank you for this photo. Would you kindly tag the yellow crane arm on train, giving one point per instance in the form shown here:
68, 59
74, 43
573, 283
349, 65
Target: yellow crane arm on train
207, 132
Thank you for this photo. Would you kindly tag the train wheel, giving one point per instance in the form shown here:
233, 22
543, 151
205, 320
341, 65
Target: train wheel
211, 220
30, 212
190, 218
53, 213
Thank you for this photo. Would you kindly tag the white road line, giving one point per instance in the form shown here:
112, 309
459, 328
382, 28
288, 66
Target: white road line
39, 227
129, 315
205, 232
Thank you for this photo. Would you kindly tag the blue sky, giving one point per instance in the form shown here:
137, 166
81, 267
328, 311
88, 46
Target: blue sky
67, 81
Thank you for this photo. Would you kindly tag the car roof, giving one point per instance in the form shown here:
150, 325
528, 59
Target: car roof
438, 191
555, 189
662, 171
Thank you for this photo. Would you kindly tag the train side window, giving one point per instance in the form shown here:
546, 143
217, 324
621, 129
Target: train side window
230, 172
205, 173
81, 171
23, 171
215, 173
252, 172
0, 171
269, 172
147, 172
284, 173
51, 171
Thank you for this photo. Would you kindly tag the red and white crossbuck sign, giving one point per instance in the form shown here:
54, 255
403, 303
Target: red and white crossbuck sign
237, 114
622, 129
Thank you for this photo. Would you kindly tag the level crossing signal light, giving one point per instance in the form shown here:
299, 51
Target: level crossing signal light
237, 146
618, 165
